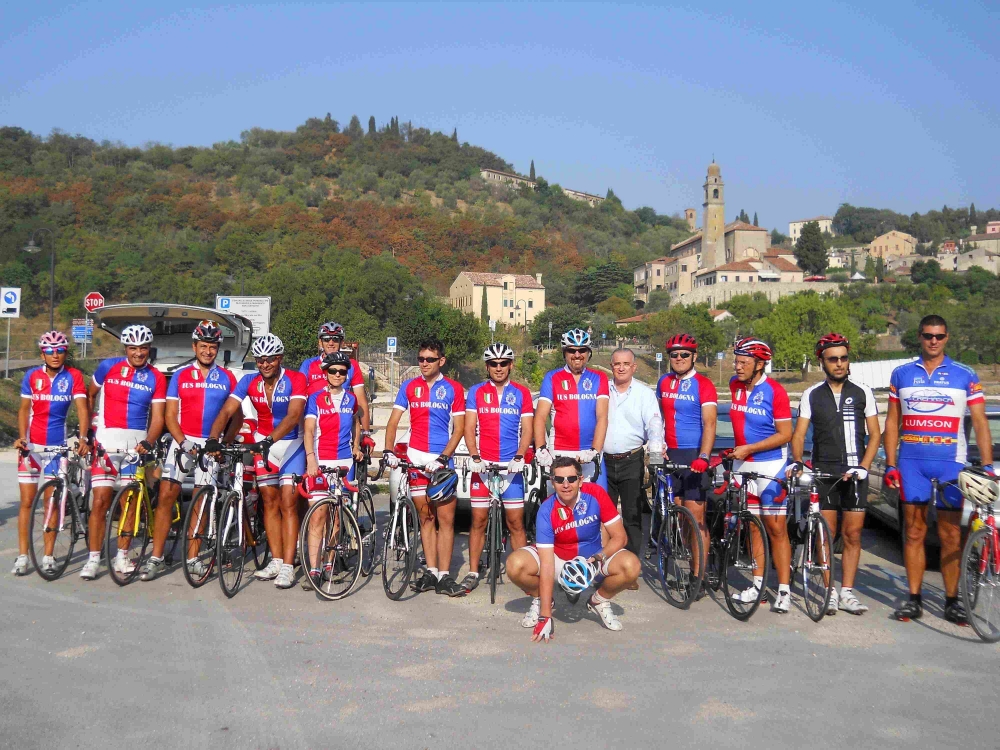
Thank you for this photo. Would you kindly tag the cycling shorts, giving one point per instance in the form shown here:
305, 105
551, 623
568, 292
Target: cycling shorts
286, 459
109, 469
342, 463
765, 497
35, 465
532, 550
588, 470
689, 485
916, 488
512, 491
174, 473
418, 479
841, 495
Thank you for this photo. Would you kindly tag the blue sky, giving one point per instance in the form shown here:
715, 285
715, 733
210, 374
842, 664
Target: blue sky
804, 105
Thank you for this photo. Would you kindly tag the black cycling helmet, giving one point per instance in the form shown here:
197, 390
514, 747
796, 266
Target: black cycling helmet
341, 359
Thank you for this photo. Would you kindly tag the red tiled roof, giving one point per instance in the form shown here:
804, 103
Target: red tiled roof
522, 280
739, 265
742, 226
781, 264
634, 318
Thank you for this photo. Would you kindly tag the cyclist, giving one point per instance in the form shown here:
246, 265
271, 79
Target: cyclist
46, 394
762, 426
925, 440
573, 522
846, 437
689, 404
195, 396
498, 429
577, 398
331, 437
133, 397
436, 407
279, 399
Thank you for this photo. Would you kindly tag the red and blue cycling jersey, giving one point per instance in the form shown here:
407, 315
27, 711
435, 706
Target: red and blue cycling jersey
574, 406
289, 387
755, 411
431, 406
128, 394
933, 409
200, 397
575, 530
50, 401
681, 400
316, 378
334, 432
498, 418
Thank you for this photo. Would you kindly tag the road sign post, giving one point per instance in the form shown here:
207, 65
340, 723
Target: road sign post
93, 301
390, 348
659, 359
10, 307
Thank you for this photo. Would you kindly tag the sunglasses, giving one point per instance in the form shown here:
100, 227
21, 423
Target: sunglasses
933, 336
425, 360
337, 371
565, 480
328, 339
835, 360
54, 350
265, 360
680, 355
575, 351
499, 363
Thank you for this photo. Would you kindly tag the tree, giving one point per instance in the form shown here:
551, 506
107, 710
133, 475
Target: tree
616, 307
755, 219
777, 237
690, 319
484, 311
531, 173
454, 135
658, 300
880, 268
354, 128
747, 308
926, 272
371, 125
973, 221
854, 264
562, 317
797, 322
597, 283
869, 268
810, 250
743, 217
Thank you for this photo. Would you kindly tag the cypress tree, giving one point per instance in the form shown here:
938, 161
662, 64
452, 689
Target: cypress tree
484, 311
531, 174
755, 219
371, 125
972, 214
454, 135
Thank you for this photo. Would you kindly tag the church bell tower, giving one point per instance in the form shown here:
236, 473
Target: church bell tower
713, 250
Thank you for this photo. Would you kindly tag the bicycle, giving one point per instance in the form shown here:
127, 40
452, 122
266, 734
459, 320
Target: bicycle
980, 583
497, 534
401, 538
240, 525
811, 540
201, 523
741, 535
334, 548
54, 531
534, 497
679, 563
364, 512
129, 526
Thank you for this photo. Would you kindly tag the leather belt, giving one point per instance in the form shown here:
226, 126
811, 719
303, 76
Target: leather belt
626, 454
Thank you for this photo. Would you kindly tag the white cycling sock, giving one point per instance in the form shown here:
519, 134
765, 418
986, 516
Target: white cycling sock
433, 572
441, 574
95, 556
598, 599
471, 572
845, 590
758, 582
155, 559
277, 560
121, 554
784, 588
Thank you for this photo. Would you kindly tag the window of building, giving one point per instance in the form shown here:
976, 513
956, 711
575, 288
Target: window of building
737, 278
531, 303
750, 279
715, 193
657, 271
684, 268
512, 315
505, 286
726, 278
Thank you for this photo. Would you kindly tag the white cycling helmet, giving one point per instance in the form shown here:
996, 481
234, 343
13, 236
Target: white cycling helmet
978, 486
137, 335
268, 345
498, 351
576, 575
575, 337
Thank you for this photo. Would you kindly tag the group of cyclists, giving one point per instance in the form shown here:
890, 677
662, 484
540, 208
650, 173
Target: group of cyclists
320, 417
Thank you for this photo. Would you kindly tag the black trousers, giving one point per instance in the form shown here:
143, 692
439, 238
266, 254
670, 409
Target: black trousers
625, 477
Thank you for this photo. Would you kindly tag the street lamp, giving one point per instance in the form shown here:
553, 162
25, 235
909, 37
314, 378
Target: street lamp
31, 247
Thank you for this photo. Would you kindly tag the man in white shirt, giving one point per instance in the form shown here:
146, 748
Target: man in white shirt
633, 421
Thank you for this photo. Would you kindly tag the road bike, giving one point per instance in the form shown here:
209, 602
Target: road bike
330, 542
675, 536
980, 581
497, 534
740, 544
811, 540
364, 512
60, 513
534, 497
401, 536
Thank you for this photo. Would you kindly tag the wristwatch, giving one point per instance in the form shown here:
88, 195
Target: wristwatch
703, 456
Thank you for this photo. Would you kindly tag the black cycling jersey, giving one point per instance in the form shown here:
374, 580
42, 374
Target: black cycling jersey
839, 430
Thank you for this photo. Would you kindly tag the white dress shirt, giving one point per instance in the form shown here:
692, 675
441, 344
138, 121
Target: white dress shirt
633, 419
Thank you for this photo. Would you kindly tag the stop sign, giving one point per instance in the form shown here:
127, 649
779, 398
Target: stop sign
93, 301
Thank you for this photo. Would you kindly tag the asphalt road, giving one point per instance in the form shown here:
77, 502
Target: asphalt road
86, 664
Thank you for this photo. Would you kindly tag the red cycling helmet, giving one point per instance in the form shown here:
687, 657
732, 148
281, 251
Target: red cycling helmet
829, 341
751, 347
682, 341
311, 485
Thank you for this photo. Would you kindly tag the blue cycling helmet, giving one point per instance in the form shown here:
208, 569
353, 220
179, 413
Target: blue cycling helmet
576, 575
575, 337
443, 484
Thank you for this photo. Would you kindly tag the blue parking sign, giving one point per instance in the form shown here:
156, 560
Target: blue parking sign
224, 303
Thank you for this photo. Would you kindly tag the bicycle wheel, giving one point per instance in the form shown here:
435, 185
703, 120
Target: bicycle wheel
740, 568
680, 552
980, 584
530, 514
334, 549
257, 538
128, 532
399, 554
368, 528
655, 527
231, 544
53, 528
200, 526
817, 567
494, 545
